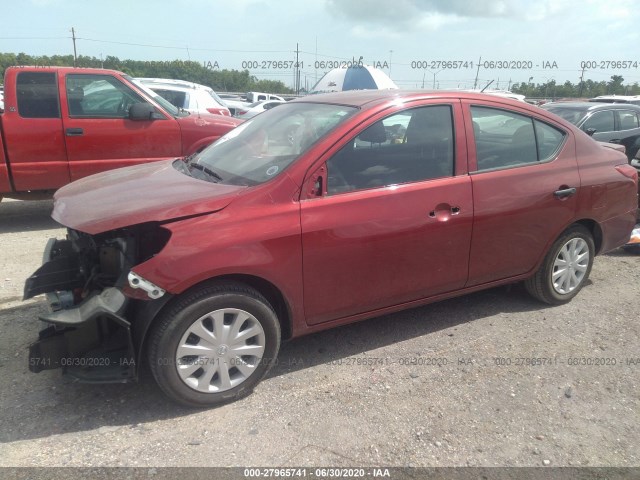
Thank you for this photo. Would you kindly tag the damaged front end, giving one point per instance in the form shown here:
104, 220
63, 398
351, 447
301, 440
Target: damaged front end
98, 306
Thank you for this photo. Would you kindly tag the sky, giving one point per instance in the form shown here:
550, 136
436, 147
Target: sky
419, 43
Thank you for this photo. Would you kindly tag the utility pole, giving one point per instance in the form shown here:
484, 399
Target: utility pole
581, 81
297, 70
75, 55
475, 84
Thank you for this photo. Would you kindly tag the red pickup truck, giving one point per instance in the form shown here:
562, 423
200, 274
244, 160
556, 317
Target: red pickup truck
61, 123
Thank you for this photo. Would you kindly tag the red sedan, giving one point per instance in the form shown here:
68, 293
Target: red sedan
324, 211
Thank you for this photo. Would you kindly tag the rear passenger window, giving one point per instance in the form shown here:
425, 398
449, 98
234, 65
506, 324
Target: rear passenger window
410, 146
507, 139
627, 120
176, 98
38, 95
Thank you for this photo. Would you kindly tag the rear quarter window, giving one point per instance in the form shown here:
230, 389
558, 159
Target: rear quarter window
38, 95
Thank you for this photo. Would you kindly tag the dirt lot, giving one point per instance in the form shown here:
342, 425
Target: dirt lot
490, 379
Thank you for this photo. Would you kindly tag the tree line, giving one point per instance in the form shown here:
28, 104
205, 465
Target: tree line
242, 81
220, 80
583, 89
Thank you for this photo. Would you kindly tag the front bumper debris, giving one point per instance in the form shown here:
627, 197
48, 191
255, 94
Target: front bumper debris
89, 338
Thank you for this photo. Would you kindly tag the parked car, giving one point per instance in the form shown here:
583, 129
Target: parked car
238, 104
632, 99
235, 103
205, 267
256, 108
253, 97
65, 123
605, 122
190, 96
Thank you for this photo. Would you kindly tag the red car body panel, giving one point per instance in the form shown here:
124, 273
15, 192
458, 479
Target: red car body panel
340, 258
117, 201
41, 156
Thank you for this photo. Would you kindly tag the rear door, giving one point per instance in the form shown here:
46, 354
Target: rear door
33, 132
98, 132
523, 172
628, 131
394, 222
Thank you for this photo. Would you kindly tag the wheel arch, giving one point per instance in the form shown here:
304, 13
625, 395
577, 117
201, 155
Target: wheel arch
595, 230
150, 312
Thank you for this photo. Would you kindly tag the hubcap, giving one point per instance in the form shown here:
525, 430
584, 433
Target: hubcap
570, 266
220, 350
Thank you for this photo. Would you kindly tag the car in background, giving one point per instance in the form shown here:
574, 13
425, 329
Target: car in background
253, 97
234, 103
606, 122
188, 96
632, 99
210, 263
253, 109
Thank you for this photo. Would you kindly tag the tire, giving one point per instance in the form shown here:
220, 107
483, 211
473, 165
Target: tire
554, 285
192, 352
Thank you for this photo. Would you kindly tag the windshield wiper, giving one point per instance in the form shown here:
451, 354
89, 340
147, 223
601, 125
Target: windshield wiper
206, 170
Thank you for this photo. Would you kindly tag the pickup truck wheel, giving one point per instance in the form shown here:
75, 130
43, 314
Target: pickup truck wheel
214, 344
565, 269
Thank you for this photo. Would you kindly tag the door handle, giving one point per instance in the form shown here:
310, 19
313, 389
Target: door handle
615, 140
443, 211
565, 192
74, 132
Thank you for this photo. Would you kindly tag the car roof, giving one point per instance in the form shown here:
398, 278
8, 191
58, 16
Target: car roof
171, 83
592, 106
35, 68
361, 98
616, 98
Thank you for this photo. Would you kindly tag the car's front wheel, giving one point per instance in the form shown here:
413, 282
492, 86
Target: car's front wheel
214, 344
565, 268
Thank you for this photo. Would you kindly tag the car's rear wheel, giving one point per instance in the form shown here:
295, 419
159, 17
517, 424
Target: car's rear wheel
565, 268
214, 344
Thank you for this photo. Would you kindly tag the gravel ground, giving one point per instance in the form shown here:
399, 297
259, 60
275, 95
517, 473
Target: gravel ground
450, 384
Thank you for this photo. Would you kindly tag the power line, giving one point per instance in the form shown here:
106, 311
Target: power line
180, 48
33, 38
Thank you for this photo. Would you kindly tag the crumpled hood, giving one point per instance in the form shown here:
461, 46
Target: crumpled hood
142, 193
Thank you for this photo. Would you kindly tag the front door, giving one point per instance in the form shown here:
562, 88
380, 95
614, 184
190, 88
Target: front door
99, 134
394, 224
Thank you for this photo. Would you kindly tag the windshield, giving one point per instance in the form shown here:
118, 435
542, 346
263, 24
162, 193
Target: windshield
572, 115
156, 98
261, 148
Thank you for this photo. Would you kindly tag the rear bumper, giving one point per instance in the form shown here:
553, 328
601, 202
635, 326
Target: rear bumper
617, 230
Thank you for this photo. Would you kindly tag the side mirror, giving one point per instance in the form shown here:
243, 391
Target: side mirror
590, 131
142, 111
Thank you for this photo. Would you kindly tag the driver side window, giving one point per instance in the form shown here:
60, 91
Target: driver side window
410, 146
98, 96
